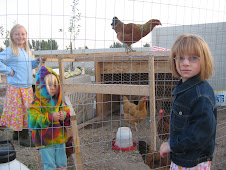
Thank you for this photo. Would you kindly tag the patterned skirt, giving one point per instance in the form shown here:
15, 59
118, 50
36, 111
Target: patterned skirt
17, 100
202, 166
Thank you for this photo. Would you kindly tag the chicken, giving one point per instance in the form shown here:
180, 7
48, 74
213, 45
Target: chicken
163, 125
153, 158
132, 33
133, 113
69, 147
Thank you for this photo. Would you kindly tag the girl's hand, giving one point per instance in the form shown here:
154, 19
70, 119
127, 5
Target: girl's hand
164, 149
12, 74
61, 115
56, 116
41, 59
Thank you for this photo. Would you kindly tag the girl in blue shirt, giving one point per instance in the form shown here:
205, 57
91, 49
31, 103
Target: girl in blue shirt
15, 62
194, 112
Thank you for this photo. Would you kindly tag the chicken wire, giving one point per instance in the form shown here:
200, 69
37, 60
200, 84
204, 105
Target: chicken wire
96, 137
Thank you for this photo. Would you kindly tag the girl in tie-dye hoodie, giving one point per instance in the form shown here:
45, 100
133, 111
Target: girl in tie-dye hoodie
48, 117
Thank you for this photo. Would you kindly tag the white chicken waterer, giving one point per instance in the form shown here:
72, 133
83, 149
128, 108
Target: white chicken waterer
124, 140
124, 137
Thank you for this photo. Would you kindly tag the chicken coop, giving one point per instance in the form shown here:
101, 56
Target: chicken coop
118, 74
112, 58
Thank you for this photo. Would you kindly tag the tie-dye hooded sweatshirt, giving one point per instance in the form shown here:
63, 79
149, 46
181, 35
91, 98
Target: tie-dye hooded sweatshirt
45, 131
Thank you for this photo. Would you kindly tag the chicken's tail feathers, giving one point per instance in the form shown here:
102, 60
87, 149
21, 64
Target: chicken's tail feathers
143, 148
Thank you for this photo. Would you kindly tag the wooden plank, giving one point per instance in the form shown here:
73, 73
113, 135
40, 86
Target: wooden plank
74, 129
133, 67
113, 56
82, 51
152, 102
117, 89
138, 54
99, 96
102, 59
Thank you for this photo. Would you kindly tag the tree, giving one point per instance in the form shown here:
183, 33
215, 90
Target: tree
116, 45
44, 45
6, 42
53, 44
30, 46
1, 30
73, 28
1, 33
33, 43
146, 45
4, 34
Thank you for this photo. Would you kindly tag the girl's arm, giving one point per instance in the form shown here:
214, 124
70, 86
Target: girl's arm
35, 63
4, 69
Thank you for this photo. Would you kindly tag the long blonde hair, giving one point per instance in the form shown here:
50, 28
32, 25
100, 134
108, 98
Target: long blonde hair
51, 79
192, 45
14, 46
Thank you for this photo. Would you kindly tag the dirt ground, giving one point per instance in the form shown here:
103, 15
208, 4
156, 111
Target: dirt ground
96, 145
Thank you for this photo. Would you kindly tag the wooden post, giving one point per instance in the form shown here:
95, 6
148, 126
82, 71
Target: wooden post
61, 76
99, 96
74, 128
78, 156
152, 102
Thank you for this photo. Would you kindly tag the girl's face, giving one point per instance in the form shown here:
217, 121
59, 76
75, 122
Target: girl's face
52, 90
19, 36
188, 66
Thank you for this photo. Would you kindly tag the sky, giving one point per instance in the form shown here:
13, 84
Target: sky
44, 18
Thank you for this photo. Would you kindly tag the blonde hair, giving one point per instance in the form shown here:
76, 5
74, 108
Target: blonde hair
51, 79
14, 46
192, 45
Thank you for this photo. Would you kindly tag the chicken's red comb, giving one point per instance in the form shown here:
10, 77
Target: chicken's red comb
160, 113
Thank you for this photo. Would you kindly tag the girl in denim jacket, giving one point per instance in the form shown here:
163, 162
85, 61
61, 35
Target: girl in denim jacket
194, 111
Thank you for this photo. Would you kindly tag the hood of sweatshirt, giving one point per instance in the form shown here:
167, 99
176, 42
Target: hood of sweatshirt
41, 92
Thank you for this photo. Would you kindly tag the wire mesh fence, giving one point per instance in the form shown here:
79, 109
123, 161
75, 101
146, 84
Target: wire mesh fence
108, 88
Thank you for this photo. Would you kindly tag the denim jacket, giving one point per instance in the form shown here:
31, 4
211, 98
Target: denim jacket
193, 123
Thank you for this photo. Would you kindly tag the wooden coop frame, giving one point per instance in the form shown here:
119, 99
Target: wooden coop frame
152, 62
